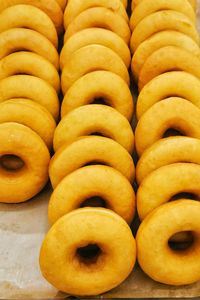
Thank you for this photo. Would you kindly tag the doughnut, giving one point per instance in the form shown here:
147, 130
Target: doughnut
125, 3
157, 41
17, 39
92, 58
30, 87
31, 64
168, 151
28, 16
155, 256
30, 114
87, 251
163, 20
90, 149
176, 178
50, 7
94, 119
99, 85
62, 3
173, 113
75, 7
146, 7
167, 59
22, 142
98, 36
136, 2
99, 17
168, 84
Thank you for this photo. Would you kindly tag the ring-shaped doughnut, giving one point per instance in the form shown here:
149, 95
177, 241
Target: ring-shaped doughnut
69, 271
87, 150
92, 58
163, 20
17, 39
49, 7
168, 84
157, 41
30, 114
23, 184
134, 3
30, 87
68, 196
157, 259
98, 36
168, 151
175, 178
99, 85
173, 113
94, 119
99, 17
167, 59
29, 63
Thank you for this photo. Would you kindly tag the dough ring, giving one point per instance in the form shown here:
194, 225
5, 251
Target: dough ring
136, 2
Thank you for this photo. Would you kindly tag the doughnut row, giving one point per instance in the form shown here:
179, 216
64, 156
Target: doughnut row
29, 87
166, 66
92, 166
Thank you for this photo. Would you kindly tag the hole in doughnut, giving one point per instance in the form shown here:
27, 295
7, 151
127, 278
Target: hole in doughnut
172, 132
184, 195
99, 100
95, 201
11, 162
93, 163
96, 133
181, 240
88, 254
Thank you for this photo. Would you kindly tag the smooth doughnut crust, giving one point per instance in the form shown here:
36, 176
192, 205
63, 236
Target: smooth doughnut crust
163, 20
168, 151
176, 178
99, 226
155, 256
99, 17
117, 192
136, 2
157, 41
90, 149
31, 17
98, 36
173, 113
74, 8
92, 58
31, 64
30, 87
90, 119
17, 39
99, 85
30, 114
19, 140
50, 7
168, 84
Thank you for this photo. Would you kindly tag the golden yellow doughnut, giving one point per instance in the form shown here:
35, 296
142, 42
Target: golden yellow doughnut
166, 182
168, 84
173, 113
92, 58
29, 63
30, 114
168, 151
28, 16
155, 256
146, 7
50, 7
103, 231
99, 17
62, 3
23, 142
17, 39
163, 20
99, 85
136, 2
30, 87
167, 59
90, 149
98, 36
157, 41
94, 119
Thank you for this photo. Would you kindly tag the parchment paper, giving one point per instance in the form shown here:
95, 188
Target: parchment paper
22, 229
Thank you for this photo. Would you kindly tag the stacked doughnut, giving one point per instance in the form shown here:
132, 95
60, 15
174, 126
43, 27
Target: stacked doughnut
166, 65
29, 83
92, 165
